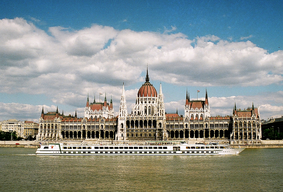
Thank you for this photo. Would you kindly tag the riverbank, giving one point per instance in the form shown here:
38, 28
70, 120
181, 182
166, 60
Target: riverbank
20, 144
35, 144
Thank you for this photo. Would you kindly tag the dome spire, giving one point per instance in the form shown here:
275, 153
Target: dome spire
147, 77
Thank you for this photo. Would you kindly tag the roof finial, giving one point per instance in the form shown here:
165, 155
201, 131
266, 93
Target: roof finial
147, 77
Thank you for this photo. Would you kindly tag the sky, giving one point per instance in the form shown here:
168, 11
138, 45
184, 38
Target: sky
56, 53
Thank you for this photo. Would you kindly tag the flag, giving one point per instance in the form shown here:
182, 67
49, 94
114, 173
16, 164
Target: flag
198, 91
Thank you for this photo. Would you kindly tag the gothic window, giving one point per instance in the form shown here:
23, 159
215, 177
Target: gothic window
145, 110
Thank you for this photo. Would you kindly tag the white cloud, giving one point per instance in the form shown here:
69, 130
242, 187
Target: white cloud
245, 38
70, 64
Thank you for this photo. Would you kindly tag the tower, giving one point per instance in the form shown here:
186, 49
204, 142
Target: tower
121, 128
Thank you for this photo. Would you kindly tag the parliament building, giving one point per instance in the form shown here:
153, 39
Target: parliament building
148, 121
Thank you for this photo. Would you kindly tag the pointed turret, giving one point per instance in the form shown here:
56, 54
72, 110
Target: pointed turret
111, 104
187, 97
94, 99
206, 98
105, 101
87, 101
42, 112
160, 89
235, 109
76, 113
57, 111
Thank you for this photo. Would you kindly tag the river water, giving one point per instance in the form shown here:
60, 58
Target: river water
252, 170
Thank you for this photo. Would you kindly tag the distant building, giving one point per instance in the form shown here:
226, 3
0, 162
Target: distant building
12, 125
30, 129
148, 121
273, 128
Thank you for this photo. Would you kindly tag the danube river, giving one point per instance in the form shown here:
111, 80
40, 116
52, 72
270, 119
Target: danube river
252, 170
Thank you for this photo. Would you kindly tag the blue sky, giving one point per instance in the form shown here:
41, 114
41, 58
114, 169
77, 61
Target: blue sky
54, 53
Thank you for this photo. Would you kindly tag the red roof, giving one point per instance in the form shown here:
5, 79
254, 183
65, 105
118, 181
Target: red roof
147, 90
195, 104
247, 113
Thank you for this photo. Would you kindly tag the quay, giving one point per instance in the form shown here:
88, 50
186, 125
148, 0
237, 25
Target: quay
36, 144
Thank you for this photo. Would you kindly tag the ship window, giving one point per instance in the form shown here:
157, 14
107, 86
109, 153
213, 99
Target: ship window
110, 147
150, 147
120, 147
126, 147
74, 147
106, 147
100, 147
135, 147
159, 147
79, 147
164, 147
89, 147
47, 147
154, 147
130, 147
140, 147
116, 147
96, 147
84, 147
69, 147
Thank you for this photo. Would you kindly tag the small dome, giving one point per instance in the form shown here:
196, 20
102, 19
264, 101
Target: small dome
147, 90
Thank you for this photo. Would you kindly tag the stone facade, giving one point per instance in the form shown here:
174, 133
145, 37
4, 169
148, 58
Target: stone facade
246, 126
13, 125
148, 121
30, 129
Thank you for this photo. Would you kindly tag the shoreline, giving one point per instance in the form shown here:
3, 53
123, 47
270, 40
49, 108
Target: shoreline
35, 144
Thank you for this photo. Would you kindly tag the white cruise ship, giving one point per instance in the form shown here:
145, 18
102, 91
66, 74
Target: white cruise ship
126, 149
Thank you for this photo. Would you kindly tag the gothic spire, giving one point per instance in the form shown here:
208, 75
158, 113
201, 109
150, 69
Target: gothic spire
160, 89
147, 77
206, 97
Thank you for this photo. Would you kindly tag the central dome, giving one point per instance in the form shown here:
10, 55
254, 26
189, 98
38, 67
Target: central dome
147, 89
